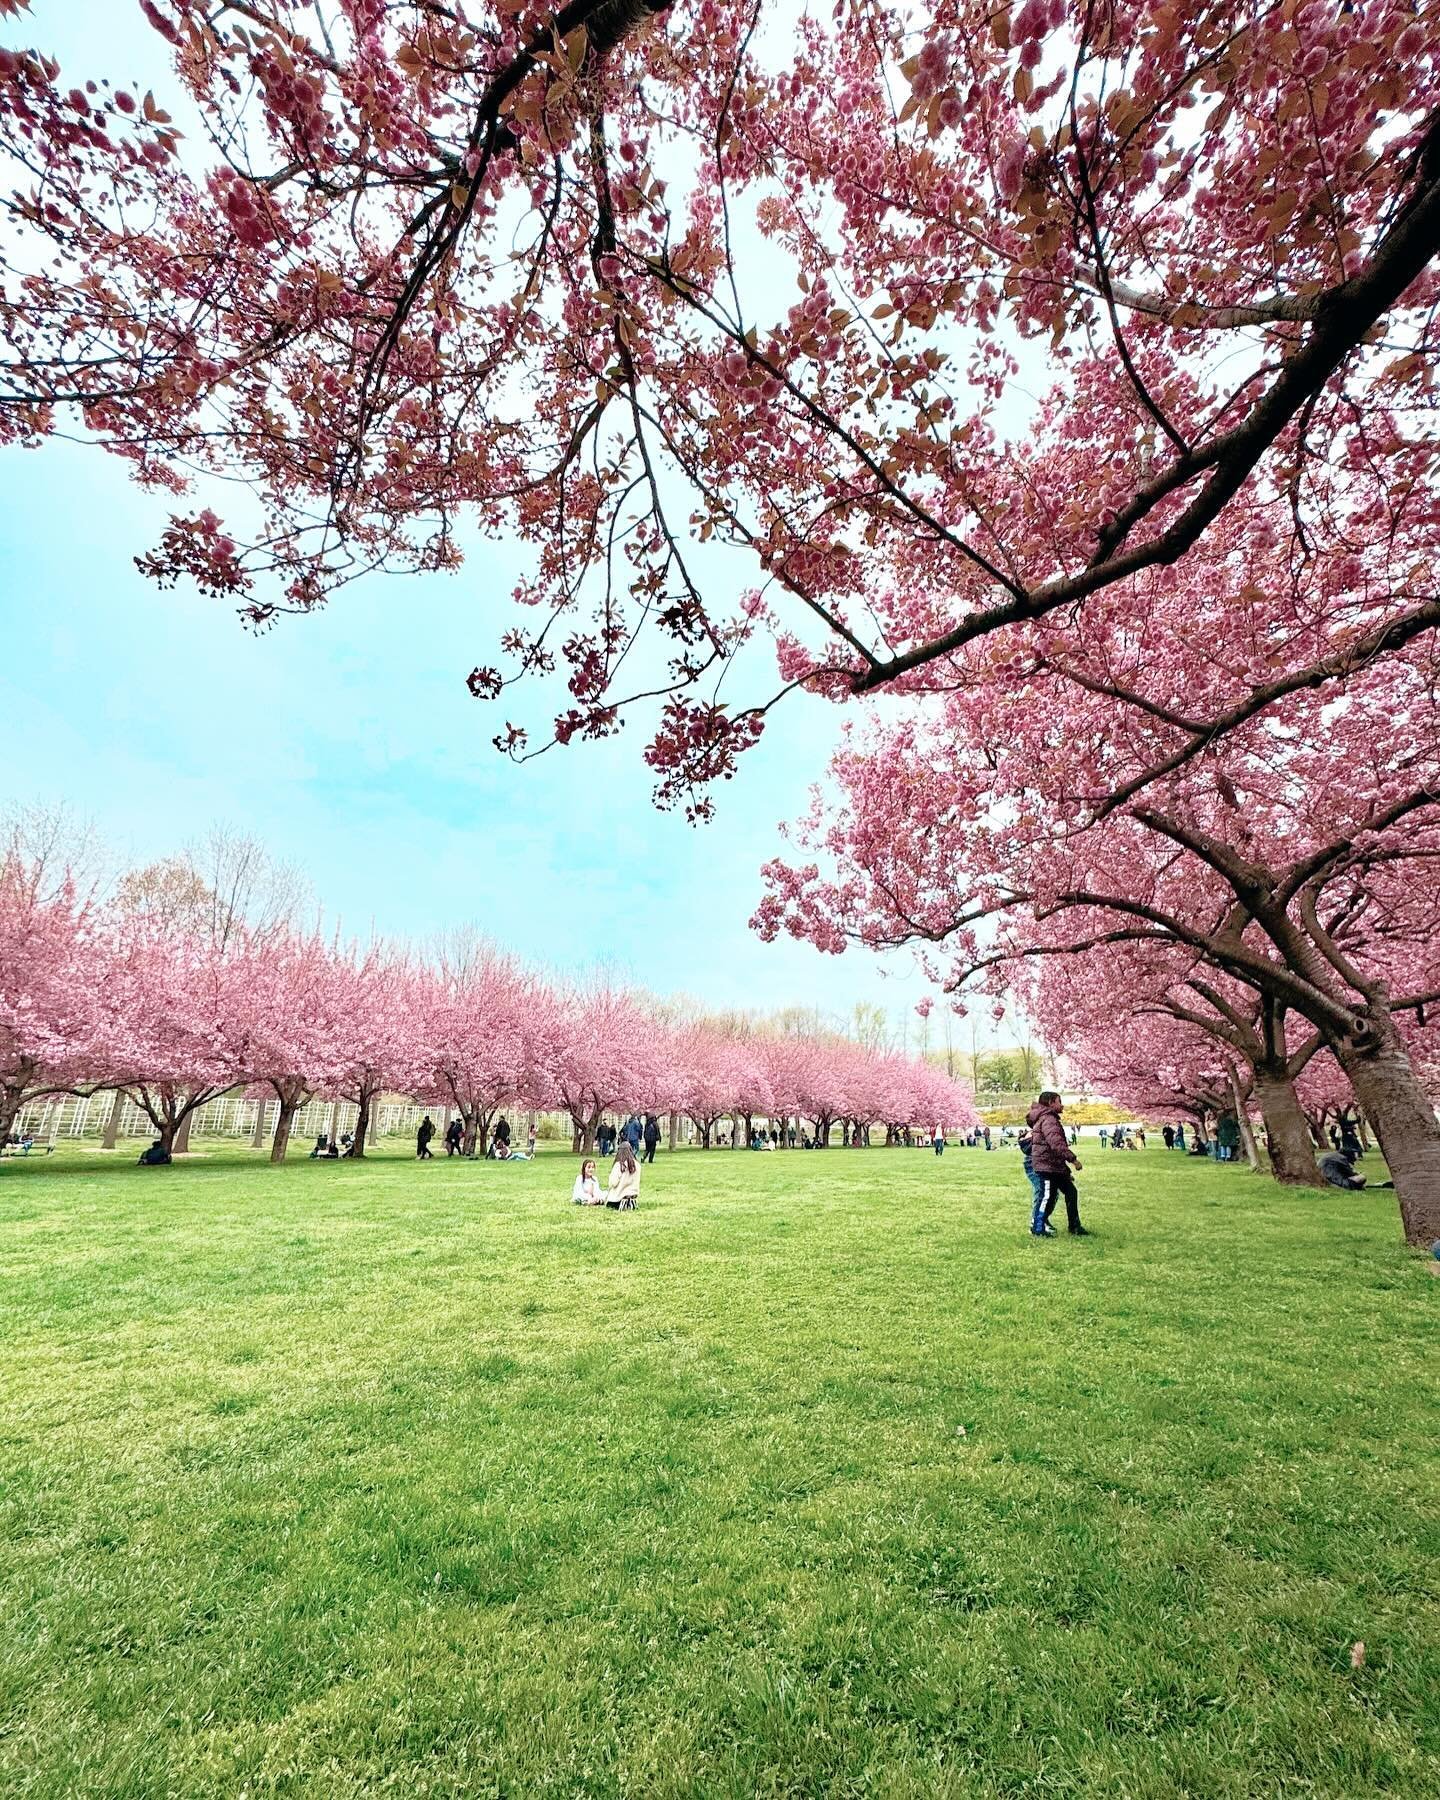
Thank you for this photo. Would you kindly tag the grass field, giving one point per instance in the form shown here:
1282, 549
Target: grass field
817, 1476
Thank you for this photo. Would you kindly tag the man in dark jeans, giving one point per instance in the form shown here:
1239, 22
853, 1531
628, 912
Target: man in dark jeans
652, 1137
1052, 1158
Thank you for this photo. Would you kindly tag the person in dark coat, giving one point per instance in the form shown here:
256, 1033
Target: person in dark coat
1052, 1158
652, 1137
454, 1132
1350, 1147
156, 1156
634, 1131
423, 1137
1168, 1133
1340, 1172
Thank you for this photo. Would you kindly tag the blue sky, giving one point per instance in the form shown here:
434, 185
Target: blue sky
348, 743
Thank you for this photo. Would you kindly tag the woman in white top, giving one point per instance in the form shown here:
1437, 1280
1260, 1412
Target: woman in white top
624, 1179
586, 1191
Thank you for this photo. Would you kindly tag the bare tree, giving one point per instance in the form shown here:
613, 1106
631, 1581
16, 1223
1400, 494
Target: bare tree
224, 882
56, 843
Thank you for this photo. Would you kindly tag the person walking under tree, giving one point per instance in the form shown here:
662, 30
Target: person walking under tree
1052, 1158
423, 1137
652, 1137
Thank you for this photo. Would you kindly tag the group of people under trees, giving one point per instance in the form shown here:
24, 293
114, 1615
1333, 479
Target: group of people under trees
643, 1137
501, 1149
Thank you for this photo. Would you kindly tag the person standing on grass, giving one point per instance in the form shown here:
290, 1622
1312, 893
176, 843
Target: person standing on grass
1168, 1133
652, 1136
1038, 1227
423, 1137
1052, 1158
937, 1138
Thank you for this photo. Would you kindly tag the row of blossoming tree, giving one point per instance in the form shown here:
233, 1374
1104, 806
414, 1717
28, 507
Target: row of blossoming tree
1099, 427
174, 1013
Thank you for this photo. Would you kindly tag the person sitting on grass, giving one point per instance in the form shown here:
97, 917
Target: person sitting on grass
587, 1190
155, 1157
322, 1144
624, 1190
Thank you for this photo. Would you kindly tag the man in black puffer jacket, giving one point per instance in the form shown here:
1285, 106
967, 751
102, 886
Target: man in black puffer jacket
1052, 1158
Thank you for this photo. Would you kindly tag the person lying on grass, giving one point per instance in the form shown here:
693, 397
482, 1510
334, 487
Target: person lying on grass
587, 1190
1340, 1172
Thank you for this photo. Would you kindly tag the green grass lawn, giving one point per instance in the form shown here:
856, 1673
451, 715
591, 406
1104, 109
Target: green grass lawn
816, 1476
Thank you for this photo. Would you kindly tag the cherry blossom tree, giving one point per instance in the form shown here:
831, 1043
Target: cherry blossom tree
381, 1040
1297, 859
607, 1055
175, 1023
486, 1035
411, 265
1135, 991
51, 961
304, 1021
708, 1073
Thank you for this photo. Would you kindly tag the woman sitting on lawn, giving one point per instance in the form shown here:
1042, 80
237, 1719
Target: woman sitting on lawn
624, 1179
586, 1191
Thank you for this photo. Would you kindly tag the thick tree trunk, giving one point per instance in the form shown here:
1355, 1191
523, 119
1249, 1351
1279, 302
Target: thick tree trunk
1242, 1119
1405, 1128
290, 1100
262, 1113
749, 1129
592, 1125
11, 1100
182, 1135
362, 1126
674, 1130
1292, 1156
280, 1143
112, 1123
